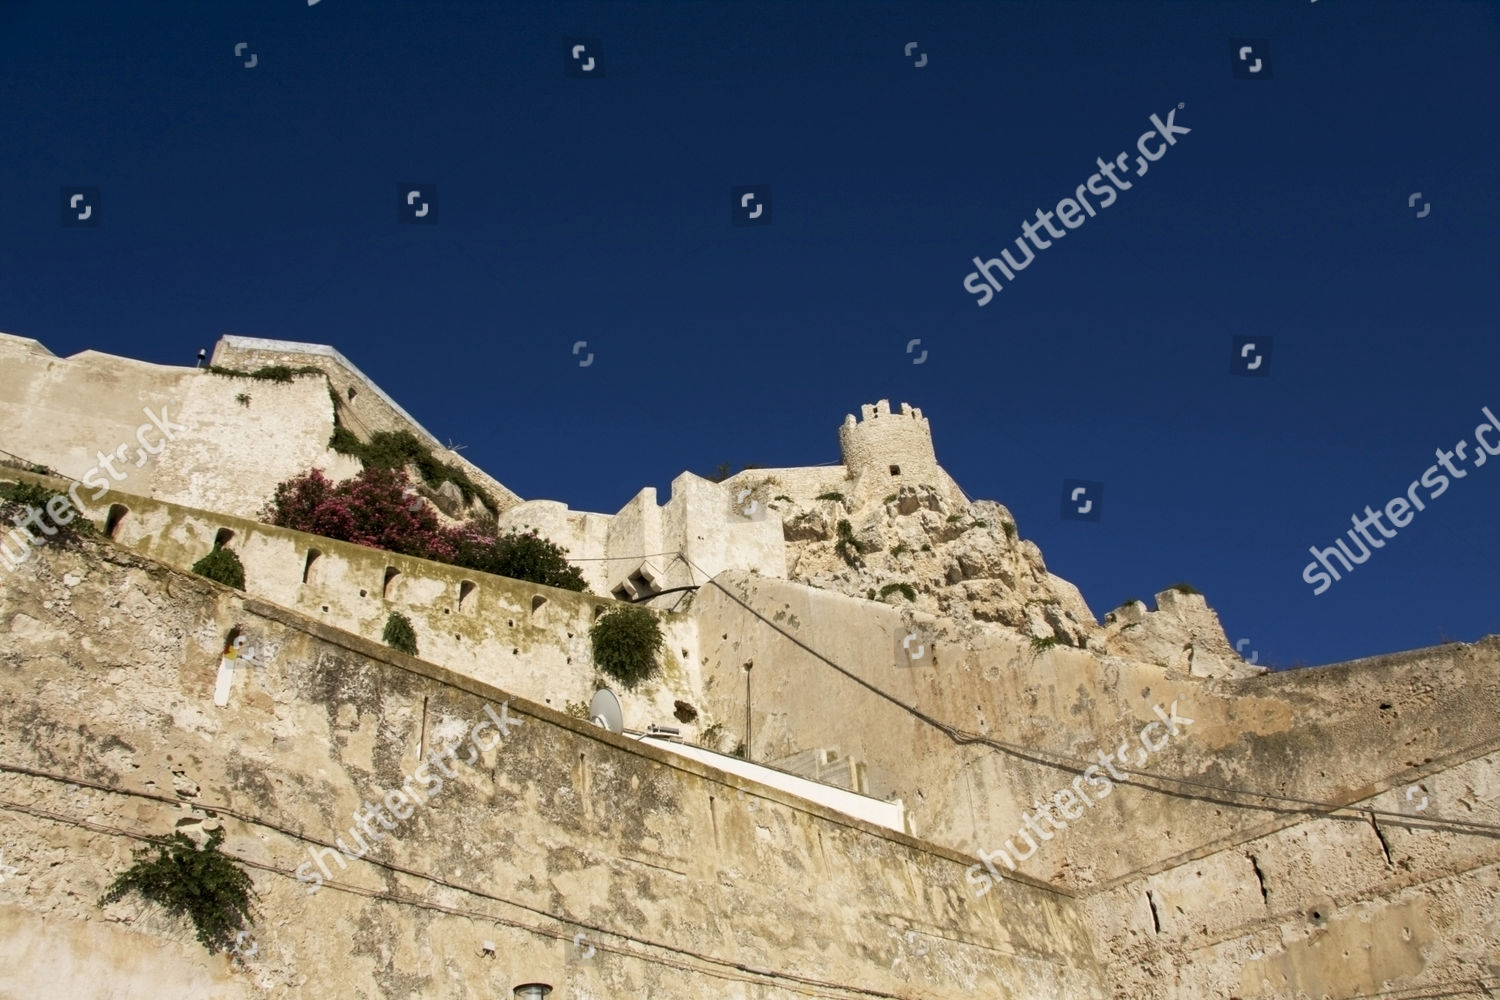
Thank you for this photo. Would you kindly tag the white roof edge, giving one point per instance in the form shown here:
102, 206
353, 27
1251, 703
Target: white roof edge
890, 814
30, 342
261, 343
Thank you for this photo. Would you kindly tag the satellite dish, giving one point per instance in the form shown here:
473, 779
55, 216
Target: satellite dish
604, 711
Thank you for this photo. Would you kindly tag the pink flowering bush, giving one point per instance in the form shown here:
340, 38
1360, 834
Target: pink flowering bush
375, 509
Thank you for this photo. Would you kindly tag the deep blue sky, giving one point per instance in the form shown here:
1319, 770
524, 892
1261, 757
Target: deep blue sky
262, 202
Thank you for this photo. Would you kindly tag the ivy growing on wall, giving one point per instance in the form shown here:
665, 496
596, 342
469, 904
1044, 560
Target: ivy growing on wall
205, 886
271, 373
399, 449
18, 500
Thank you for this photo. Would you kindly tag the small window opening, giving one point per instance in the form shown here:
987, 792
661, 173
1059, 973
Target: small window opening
895, 470
312, 557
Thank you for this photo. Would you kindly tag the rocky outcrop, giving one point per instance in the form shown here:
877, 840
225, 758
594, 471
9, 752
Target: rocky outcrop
938, 552
1183, 633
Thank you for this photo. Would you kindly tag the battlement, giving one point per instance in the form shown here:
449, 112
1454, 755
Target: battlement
871, 411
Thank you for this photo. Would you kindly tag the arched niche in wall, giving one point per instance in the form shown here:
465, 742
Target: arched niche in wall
313, 555
117, 512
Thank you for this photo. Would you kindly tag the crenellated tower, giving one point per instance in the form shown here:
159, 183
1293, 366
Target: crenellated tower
896, 447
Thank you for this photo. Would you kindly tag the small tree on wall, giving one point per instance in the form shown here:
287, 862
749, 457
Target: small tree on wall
224, 566
626, 641
205, 886
399, 635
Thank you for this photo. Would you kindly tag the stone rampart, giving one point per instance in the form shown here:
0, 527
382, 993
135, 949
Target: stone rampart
562, 854
364, 406
232, 439
525, 637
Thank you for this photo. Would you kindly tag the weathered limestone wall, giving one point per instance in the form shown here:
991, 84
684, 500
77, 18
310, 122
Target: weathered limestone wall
1319, 733
1158, 636
365, 407
634, 534
1360, 904
678, 890
524, 637
691, 537
62, 412
578, 533
704, 521
802, 485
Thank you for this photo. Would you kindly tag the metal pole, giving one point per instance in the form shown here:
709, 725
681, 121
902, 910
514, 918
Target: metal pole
748, 665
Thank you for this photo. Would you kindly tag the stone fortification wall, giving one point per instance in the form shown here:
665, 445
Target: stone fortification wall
647, 546
635, 536
1318, 734
364, 407
227, 453
583, 536
522, 636
1397, 903
716, 534
562, 854
802, 485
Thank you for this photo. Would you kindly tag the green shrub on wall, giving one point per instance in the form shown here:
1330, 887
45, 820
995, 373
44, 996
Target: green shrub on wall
205, 886
270, 373
397, 450
521, 556
224, 566
19, 500
626, 641
847, 546
399, 635
906, 590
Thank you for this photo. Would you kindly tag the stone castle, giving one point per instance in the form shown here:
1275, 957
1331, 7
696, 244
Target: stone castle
951, 780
